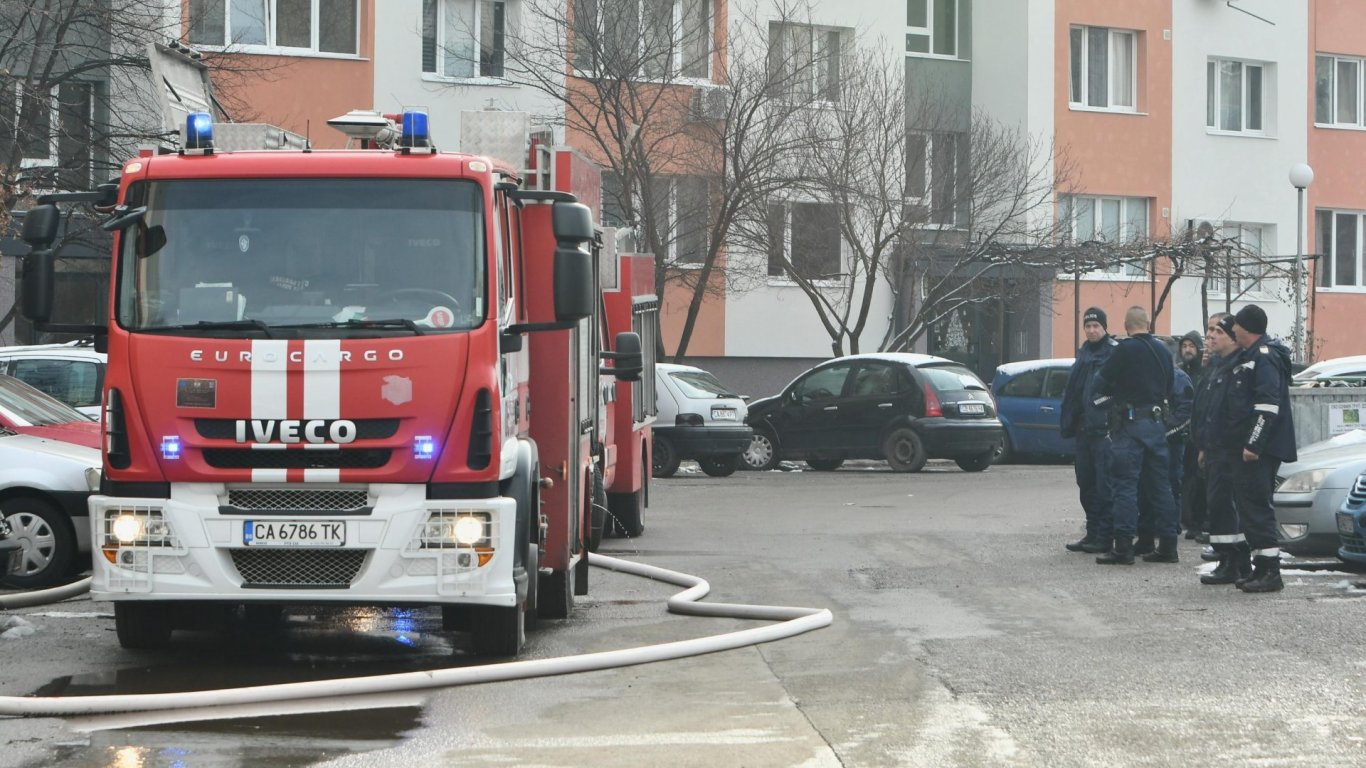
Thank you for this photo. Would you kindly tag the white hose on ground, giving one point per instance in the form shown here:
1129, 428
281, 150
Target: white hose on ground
45, 596
794, 621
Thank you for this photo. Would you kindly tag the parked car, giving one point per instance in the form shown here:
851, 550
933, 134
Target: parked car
1309, 493
699, 418
30, 412
44, 485
904, 408
1339, 371
1351, 520
1029, 400
72, 372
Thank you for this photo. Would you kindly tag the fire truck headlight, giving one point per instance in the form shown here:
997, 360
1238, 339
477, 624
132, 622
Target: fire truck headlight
469, 529
127, 527
451, 528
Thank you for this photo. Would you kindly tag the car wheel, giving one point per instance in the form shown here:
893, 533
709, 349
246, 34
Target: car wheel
49, 544
1005, 452
977, 463
664, 458
904, 450
762, 453
824, 463
720, 466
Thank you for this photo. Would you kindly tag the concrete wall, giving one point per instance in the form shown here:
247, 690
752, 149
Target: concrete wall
1310, 409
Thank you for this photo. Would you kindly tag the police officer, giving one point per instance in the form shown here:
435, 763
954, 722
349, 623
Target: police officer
1083, 420
1220, 454
1257, 413
1134, 382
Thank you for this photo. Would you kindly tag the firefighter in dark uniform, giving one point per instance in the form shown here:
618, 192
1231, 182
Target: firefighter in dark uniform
1082, 419
1256, 412
1135, 381
1220, 453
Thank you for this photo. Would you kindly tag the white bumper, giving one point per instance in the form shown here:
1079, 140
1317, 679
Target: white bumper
381, 560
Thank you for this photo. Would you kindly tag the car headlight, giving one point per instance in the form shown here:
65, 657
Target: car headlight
1307, 481
92, 479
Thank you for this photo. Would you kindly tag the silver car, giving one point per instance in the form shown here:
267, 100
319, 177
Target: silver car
1310, 491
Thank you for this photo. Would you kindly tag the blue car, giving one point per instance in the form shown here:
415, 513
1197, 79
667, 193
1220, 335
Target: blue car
1029, 402
1352, 524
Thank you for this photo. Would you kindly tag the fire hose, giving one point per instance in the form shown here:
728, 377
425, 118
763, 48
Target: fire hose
792, 621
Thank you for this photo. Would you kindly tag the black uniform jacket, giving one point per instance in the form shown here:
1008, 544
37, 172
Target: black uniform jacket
1250, 403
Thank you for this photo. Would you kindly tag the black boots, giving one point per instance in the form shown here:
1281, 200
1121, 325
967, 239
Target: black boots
1266, 575
1165, 552
1235, 566
1087, 544
1143, 545
1121, 554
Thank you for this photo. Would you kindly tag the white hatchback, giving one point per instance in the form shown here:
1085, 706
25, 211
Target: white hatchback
72, 372
44, 486
699, 418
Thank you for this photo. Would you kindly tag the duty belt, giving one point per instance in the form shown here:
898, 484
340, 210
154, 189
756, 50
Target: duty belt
1147, 412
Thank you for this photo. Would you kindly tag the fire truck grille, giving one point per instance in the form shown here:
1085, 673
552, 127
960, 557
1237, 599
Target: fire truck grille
236, 458
302, 499
298, 567
226, 429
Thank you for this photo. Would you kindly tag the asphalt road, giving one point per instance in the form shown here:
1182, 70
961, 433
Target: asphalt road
964, 635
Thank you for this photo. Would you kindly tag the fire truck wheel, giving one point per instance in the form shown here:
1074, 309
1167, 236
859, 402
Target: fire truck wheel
664, 458
625, 509
904, 450
555, 598
49, 543
498, 630
762, 453
720, 466
824, 463
598, 521
143, 626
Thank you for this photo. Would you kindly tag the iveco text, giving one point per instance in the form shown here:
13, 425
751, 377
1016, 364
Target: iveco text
296, 430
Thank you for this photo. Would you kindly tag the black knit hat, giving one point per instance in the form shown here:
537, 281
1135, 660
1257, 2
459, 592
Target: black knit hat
1251, 319
1097, 314
1226, 325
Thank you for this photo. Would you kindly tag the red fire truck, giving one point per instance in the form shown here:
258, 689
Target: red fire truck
364, 376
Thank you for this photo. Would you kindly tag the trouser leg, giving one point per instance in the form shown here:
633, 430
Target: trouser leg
1126, 463
1085, 470
1156, 479
1253, 484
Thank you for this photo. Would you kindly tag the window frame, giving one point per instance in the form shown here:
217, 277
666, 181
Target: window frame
1335, 62
1328, 262
821, 89
56, 131
1214, 92
270, 47
927, 161
932, 10
1082, 77
1255, 286
678, 45
784, 278
499, 46
1067, 207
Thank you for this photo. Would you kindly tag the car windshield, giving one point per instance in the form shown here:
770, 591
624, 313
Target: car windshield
255, 254
952, 378
33, 407
700, 384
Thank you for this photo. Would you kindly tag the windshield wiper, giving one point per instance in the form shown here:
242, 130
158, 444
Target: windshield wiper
396, 322
247, 324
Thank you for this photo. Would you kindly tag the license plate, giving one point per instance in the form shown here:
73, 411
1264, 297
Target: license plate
971, 408
723, 414
1345, 526
294, 533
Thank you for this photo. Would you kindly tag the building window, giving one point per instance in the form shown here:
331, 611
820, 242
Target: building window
1337, 91
649, 39
1339, 246
935, 164
937, 28
323, 26
1244, 268
1234, 96
1113, 220
54, 129
807, 61
1104, 68
463, 38
804, 240
680, 219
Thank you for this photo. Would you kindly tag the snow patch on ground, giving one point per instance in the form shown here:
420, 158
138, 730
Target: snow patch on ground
14, 627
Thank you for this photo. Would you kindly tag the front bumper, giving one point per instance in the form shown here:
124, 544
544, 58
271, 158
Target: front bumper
1306, 522
701, 442
959, 438
1352, 537
380, 561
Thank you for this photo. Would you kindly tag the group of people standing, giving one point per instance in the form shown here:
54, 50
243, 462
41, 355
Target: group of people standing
1196, 440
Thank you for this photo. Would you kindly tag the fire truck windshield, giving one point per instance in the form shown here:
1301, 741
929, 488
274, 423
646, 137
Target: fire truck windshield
404, 255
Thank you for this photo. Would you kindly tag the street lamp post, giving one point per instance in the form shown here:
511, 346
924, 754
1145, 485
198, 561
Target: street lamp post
1301, 176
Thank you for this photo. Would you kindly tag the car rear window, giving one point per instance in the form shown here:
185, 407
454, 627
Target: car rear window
952, 378
35, 407
700, 384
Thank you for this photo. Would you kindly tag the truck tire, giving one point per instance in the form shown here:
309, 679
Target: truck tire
555, 595
627, 517
664, 458
904, 450
498, 630
143, 626
824, 463
720, 466
49, 543
598, 521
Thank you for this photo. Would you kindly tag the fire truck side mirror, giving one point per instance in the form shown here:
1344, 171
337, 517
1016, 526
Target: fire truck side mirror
629, 362
575, 285
39, 279
40, 225
572, 223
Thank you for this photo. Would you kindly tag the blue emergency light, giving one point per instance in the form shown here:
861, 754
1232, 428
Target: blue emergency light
170, 447
199, 131
415, 129
424, 447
